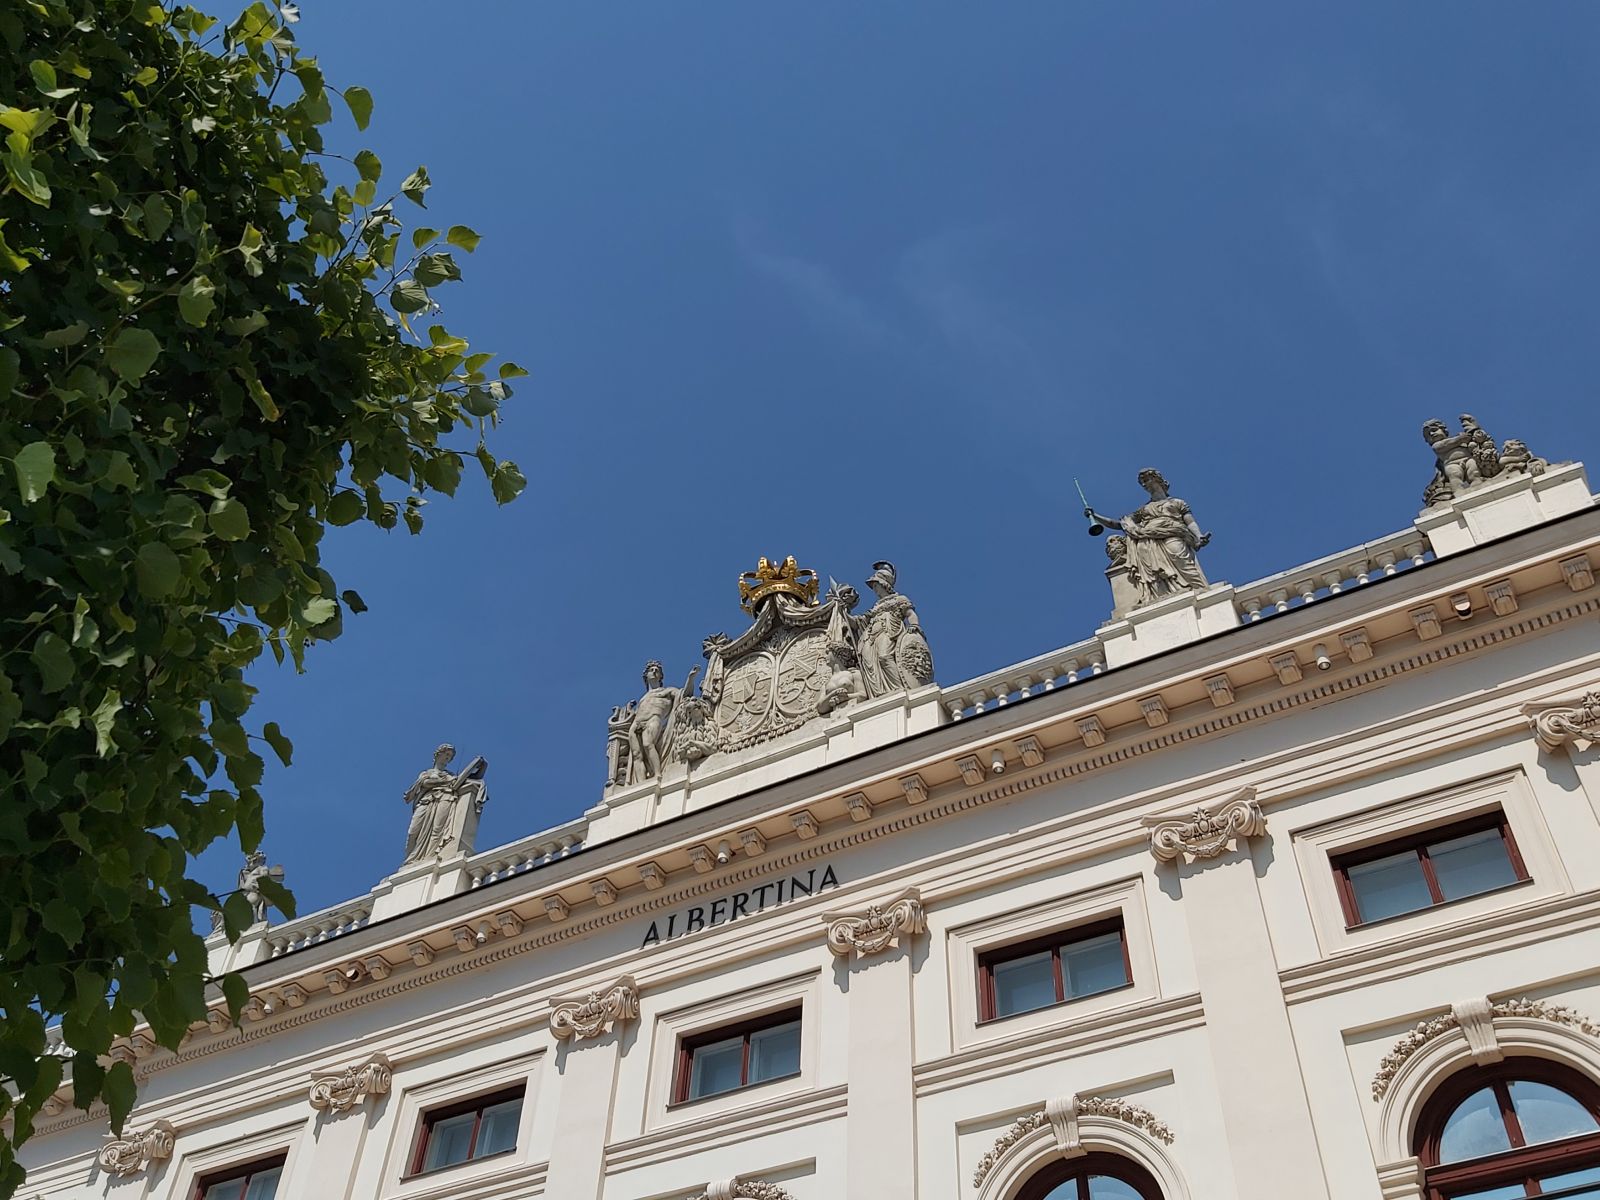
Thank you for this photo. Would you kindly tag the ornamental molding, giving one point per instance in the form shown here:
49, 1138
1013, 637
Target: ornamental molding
1063, 1116
134, 1152
340, 1091
1560, 723
742, 1189
1475, 1019
223, 1036
1208, 832
878, 928
596, 1012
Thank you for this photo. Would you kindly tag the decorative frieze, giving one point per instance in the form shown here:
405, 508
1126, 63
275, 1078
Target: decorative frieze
421, 953
131, 1153
1560, 723
878, 928
652, 874
1357, 644
1063, 1115
702, 859
1578, 571
507, 923
1502, 597
971, 770
1425, 621
377, 966
1154, 711
1478, 1027
604, 892
595, 1013
1287, 667
556, 908
1209, 831
340, 1091
752, 843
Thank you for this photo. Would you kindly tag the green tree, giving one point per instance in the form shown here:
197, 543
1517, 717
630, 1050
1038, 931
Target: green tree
215, 341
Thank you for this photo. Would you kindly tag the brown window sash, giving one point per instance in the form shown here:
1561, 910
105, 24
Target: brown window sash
476, 1105
723, 1033
1420, 844
1055, 942
237, 1174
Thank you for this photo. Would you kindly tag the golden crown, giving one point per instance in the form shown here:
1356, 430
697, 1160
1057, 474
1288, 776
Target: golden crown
769, 578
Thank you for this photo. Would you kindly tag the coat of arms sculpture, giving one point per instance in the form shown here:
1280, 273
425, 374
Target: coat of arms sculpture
804, 655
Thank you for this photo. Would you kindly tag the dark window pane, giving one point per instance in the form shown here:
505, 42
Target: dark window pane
1547, 1114
716, 1068
1093, 965
1389, 886
1477, 862
449, 1140
264, 1184
498, 1129
775, 1052
233, 1189
1024, 984
1474, 1129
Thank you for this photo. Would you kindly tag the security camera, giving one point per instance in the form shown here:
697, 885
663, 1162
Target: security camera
724, 853
1320, 653
997, 761
1462, 603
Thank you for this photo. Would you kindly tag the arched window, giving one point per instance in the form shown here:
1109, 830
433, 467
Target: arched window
1092, 1177
1524, 1127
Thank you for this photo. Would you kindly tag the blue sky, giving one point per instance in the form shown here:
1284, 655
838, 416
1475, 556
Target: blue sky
853, 281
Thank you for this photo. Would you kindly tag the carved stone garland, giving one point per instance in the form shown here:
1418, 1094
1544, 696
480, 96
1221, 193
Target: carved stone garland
877, 929
340, 1091
743, 1189
132, 1153
596, 1013
1558, 725
1209, 832
1062, 1116
1471, 1021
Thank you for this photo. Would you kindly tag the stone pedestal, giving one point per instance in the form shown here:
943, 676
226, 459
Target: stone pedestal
1503, 506
418, 884
1170, 622
249, 949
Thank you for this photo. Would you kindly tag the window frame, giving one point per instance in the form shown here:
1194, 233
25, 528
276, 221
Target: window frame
689, 1043
1098, 1162
238, 1171
1054, 941
444, 1112
1419, 842
1521, 1162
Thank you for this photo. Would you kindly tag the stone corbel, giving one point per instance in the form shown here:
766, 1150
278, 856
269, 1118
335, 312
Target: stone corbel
340, 1091
1208, 832
1560, 723
595, 1013
743, 1189
878, 928
135, 1152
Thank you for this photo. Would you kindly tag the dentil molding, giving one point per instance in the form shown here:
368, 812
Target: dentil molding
133, 1152
1561, 723
1208, 832
743, 1189
1475, 1019
877, 928
1062, 1117
340, 1091
595, 1013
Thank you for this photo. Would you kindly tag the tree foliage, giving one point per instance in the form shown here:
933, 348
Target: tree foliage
216, 339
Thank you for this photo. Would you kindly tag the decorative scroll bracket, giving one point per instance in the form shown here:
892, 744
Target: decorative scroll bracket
1208, 832
1561, 723
877, 929
595, 1013
135, 1152
340, 1091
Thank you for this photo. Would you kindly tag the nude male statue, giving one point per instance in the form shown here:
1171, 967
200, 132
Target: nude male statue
649, 733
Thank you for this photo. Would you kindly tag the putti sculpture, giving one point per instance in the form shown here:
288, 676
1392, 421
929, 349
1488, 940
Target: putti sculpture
255, 869
1158, 543
802, 656
1470, 458
445, 808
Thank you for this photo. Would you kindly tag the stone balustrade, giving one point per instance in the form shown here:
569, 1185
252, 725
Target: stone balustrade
1341, 572
547, 846
318, 927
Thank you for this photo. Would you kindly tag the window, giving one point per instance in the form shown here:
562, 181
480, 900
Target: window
1063, 966
1092, 1177
737, 1056
1432, 868
257, 1181
1523, 1127
468, 1131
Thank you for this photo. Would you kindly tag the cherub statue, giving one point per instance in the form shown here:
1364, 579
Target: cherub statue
255, 869
1459, 465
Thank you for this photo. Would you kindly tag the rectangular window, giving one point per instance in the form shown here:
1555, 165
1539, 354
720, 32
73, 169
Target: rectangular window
257, 1181
1428, 869
737, 1056
1067, 965
468, 1131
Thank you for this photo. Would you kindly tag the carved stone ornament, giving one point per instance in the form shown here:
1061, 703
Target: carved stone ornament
445, 808
1062, 1116
802, 657
1209, 831
878, 928
1470, 458
1478, 1027
134, 1152
596, 1013
1559, 724
742, 1189
340, 1091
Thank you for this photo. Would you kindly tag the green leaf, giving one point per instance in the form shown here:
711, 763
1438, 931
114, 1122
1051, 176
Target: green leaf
507, 483
26, 179
157, 217
464, 237
103, 720
369, 165
119, 1092
44, 78
421, 236
63, 920
132, 353
346, 508
319, 610
409, 296
10, 365
259, 394
196, 299
510, 370
281, 746
359, 101
275, 894
243, 326
54, 660
235, 991
229, 520
353, 601
67, 335
415, 186
157, 569
35, 467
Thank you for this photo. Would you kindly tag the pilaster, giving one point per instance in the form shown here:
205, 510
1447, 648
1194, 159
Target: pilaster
587, 1068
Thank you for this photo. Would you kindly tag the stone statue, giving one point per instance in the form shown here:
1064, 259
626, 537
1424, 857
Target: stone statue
1158, 544
650, 731
1469, 458
617, 743
255, 868
890, 645
845, 685
444, 807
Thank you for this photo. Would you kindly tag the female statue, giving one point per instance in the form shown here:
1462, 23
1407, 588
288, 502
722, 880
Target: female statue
1161, 540
434, 799
891, 647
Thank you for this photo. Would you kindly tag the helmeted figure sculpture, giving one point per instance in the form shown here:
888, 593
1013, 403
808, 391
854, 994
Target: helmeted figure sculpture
890, 645
1159, 543
444, 807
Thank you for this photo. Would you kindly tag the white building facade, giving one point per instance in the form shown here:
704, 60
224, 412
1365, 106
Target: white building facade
1286, 890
